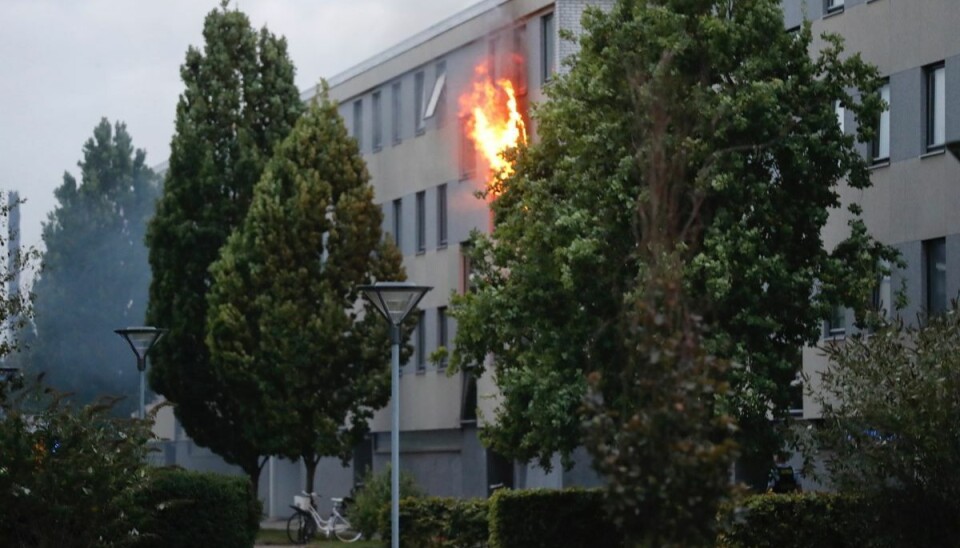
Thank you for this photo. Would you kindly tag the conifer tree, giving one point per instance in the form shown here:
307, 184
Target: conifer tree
239, 101
95, 273
307, 366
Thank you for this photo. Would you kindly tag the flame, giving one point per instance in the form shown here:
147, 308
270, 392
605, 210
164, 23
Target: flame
493, 123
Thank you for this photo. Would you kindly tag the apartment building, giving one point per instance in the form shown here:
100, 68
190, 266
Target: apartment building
915, 170
406, 109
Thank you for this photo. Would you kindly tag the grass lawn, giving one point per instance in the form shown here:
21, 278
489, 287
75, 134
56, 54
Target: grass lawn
278, 537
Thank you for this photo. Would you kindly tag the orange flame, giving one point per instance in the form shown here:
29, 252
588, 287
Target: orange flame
494, 123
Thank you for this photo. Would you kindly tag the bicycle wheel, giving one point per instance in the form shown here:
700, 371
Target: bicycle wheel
296, 528
344, 531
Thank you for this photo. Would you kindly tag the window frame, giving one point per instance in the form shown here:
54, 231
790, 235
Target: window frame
548, 47
396, 90
358, 122
418, 91
398, 222
833, 6
442, 217
876, 153
442, 334
421, 342
377, 116
935, 264
835, 326
421, 221
933, 99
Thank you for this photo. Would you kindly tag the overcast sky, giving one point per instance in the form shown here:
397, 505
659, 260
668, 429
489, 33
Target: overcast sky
64, 64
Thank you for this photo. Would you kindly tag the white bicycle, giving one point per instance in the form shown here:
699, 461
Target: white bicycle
306, 522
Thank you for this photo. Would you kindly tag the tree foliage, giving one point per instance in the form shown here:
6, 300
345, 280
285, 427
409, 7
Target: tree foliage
239, 102
69, 475
891, 415
95, 272
287, 343
751, 115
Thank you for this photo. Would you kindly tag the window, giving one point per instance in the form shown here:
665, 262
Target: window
397, 218
466, 269
421, 343
442, 333
436, 104
358, 122
880, 146
421, 222
935, 267
418, 102
518, 66
834, 5
377, 122
492, 58
936, 106
396, 114
836, 324
841, 114
548, 46
442, 215
468, 155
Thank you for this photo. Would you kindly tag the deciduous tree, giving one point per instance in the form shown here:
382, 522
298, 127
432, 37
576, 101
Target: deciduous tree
239, 101
754, 159
891, 422
306, 366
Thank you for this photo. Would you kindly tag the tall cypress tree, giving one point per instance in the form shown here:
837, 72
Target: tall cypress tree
285, 337
95, 273
239, 101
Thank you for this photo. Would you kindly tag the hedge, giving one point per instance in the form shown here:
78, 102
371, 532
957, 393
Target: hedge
199, 509
789, 520
434, 522
543, 518
891, 519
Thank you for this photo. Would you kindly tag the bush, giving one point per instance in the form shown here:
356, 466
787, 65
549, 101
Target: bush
200, 509
791, 520
68, 475
549, 518
838, 521
435, 522
367, 509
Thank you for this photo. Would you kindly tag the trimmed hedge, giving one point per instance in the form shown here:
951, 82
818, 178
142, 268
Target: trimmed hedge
790, 520
200, 509
891, 519
434, 522
542, 518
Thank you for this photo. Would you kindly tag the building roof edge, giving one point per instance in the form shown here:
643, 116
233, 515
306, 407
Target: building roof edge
406, 45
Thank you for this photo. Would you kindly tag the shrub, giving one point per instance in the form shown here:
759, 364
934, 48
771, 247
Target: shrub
68, 475
549, 518
367, 510
791, 520
435, 522
200, 509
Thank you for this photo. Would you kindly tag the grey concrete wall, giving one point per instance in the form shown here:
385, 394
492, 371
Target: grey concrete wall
582, 473
906, 115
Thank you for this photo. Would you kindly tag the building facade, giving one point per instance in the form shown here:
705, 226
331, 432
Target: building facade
403, 107
915, 171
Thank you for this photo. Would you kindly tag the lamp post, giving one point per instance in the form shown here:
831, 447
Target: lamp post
141, 340
394, 300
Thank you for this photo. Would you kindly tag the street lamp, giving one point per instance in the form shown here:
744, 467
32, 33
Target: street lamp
395, 300
141, 340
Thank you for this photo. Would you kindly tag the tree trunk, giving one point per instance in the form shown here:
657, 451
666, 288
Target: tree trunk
310, 461
253, 470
